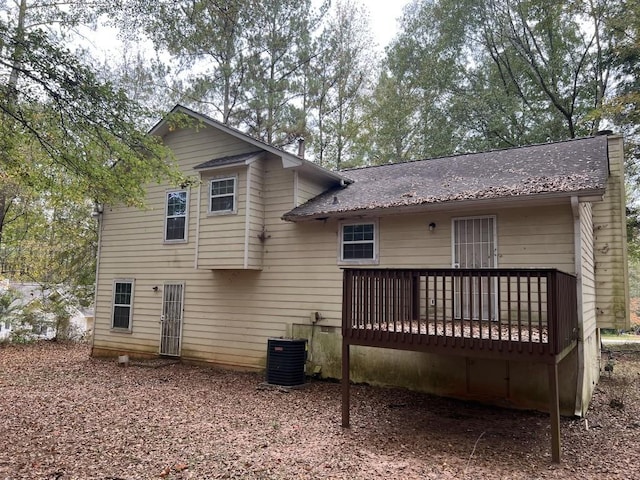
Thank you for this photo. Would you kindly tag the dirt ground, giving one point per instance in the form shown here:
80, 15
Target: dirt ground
64, 415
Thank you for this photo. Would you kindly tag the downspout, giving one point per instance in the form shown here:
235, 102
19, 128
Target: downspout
99, 212
247, 218
577, 248
197, 242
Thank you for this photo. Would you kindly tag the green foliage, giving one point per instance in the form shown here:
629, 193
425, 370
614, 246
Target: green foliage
624, 106
337, 81
68, 139
56, 115
9, 306
490, 74
243, 62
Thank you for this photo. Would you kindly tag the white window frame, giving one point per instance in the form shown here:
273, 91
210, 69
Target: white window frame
114, 304
375, 241
167, 216
235, 195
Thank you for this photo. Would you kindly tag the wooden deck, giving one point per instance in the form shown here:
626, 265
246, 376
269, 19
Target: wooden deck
512, 314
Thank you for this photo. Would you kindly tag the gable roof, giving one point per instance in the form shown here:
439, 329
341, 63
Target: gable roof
555, 169
289, 160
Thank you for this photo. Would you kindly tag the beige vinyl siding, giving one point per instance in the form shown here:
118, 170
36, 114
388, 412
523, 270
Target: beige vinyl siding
221, 240
539, 237
309, 188
609, 226
232, 240
256, 228
588, 345
132, 245
299, 259
587, 276
195, 146
230, 314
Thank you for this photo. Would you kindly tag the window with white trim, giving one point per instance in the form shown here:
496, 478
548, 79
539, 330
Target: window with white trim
176, 216
222, 195
358, 242
122, 304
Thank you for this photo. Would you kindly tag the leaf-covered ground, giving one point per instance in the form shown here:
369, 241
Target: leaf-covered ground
64, 415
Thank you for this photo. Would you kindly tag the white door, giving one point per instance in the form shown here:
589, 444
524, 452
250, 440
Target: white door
474, 246
171, 319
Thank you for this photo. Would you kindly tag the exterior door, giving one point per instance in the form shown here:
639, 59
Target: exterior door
171, 319
474, 246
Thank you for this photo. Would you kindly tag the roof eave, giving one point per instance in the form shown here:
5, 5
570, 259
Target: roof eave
245, 162
289, 160
538, 199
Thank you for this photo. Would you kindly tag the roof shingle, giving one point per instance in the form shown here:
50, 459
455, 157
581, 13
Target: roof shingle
571, 166
229, 160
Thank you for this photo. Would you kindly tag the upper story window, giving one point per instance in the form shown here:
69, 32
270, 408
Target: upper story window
122, 304
176, 216
358, 242
222, 195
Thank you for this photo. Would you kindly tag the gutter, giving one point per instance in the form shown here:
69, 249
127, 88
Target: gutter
100, 212
594, 195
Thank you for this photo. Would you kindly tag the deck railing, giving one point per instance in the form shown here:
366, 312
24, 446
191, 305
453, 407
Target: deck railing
531, 310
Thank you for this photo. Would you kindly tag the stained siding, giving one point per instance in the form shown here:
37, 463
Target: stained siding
609, 226
588, 345
309, 188
588, 273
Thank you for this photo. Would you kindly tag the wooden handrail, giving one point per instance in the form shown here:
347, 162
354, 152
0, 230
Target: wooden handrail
517, 309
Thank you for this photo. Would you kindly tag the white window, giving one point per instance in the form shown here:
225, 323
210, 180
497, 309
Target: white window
358, 242
122, 304
176, 216
222, 195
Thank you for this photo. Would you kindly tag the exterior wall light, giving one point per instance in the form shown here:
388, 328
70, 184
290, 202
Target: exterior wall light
432, 226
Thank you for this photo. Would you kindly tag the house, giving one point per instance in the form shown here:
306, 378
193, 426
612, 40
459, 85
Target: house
26, 317
483, 276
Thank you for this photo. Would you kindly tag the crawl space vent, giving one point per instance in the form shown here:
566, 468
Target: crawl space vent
285, 361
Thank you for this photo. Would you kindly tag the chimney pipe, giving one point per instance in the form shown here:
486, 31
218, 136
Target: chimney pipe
301, 147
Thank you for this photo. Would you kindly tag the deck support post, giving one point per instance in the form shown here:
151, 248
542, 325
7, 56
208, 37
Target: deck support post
554, 411
345, 383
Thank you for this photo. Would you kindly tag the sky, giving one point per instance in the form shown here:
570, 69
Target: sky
384, 15
384, 18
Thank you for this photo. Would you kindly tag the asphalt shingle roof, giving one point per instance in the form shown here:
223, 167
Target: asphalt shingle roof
572, 166
230, 160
